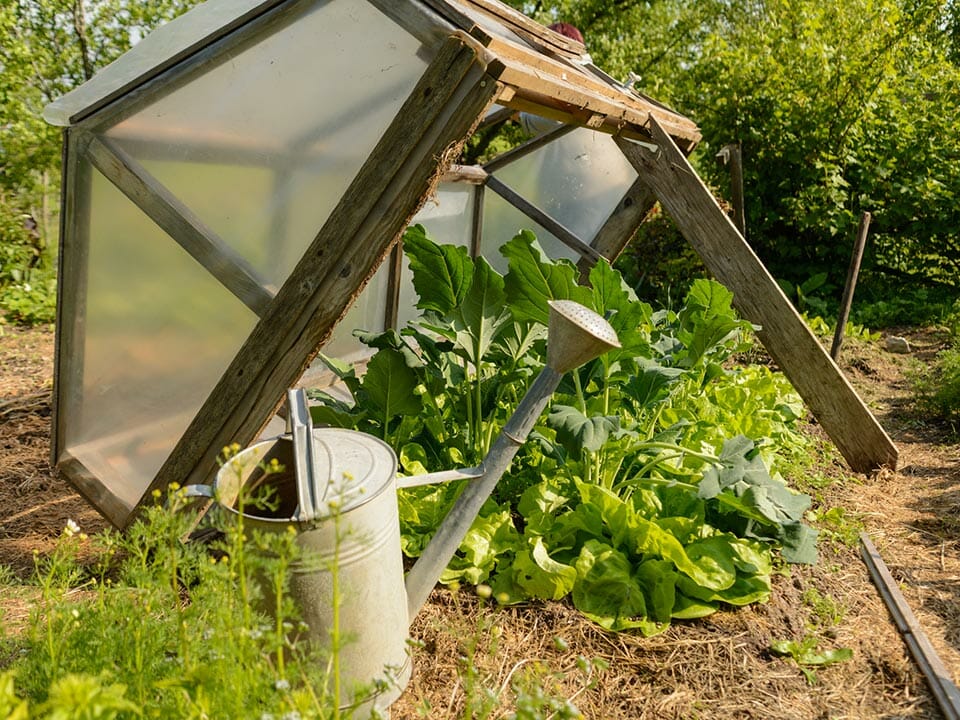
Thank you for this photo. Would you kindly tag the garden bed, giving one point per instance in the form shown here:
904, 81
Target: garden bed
720, 666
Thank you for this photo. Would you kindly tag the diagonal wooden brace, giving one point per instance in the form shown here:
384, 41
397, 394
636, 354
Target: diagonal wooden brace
788, 339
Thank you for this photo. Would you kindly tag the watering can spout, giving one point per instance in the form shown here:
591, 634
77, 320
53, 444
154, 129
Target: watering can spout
575, 336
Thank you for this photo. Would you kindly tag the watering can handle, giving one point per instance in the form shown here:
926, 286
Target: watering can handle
301, 432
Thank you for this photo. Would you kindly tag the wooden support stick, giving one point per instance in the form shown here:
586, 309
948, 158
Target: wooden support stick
732, 155
784, 334
852, 273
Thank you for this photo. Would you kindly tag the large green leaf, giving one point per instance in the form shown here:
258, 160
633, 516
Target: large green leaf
532, 282
390, 384
482, 315
577, 432
540, 575
707, 320
442, 274
605, 591
617, 302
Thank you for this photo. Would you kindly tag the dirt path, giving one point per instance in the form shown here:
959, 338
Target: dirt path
718, 667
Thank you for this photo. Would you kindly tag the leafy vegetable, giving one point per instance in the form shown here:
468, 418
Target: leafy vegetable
645, 493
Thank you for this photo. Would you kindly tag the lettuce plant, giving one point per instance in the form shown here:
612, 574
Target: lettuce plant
645, 493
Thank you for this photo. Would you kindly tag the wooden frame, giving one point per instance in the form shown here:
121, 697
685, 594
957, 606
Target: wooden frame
448, 101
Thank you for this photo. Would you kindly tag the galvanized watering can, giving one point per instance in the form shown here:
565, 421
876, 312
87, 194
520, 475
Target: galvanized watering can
338, 490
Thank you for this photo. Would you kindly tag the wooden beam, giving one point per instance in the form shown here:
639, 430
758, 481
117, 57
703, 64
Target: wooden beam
72, 276
555, 227
619, 228
833, 401
179, 222
429, 129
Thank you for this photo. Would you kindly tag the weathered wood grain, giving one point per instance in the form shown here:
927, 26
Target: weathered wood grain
784, 334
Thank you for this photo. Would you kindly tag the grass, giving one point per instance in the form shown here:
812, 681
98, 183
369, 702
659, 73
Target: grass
145, 625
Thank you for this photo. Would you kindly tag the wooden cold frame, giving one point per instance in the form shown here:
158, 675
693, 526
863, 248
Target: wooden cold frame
784, 334
448, 101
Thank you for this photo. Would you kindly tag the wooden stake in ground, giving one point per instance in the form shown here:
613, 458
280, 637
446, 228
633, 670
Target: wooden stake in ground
852, 274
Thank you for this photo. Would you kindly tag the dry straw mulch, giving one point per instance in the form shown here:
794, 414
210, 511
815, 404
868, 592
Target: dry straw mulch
717, 667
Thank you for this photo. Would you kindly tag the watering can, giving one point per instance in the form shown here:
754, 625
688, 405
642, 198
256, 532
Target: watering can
341, 499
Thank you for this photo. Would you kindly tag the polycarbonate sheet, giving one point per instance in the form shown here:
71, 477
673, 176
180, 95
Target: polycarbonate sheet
157, 334
262, 144
502, 221
577, 179
163, 43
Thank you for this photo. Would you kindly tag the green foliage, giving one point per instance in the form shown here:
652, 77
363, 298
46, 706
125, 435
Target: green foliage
938, 392
645, 492
161, 624
838, 109
47, 48
808, 656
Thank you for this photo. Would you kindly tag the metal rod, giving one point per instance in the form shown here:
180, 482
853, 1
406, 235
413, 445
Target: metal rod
852, 273
553, 226
945, 692
528, 147
436, 556
434, 478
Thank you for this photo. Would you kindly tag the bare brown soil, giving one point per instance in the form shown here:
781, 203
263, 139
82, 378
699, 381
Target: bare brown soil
718, 667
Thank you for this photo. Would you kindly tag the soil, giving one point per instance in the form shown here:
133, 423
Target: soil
717, 667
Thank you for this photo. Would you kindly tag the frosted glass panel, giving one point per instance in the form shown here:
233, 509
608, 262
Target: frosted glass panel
502, 221
577, 179
159, 333
367, 313
262, 151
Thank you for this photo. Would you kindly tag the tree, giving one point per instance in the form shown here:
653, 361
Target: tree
840, 106
47, 48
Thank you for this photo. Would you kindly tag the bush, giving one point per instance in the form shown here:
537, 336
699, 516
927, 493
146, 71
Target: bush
28, 286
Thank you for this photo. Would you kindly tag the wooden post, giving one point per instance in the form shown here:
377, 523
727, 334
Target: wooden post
732, 155
852, 273
834, 403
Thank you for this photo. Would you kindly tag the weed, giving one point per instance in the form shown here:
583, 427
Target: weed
808, 656
827, 612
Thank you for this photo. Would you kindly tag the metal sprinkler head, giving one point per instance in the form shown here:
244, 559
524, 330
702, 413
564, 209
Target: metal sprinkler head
575, 335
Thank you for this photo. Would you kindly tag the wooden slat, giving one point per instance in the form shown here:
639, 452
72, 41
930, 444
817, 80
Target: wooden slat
619, 228
552, 225
94, 491
944, 690
470, 174
72, 275
177, 220
836, 405
450, 98
528, 28
540, 92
